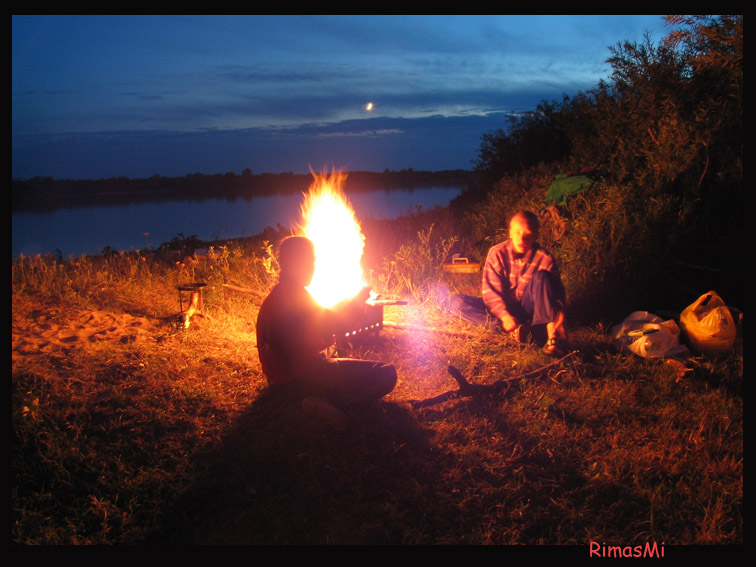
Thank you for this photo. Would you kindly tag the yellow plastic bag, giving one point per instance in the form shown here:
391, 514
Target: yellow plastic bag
708, 325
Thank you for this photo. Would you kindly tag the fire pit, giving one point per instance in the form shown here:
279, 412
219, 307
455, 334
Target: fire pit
328, 220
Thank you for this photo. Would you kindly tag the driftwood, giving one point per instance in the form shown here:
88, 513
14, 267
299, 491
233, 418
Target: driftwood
399, 327
244, 290
469, 390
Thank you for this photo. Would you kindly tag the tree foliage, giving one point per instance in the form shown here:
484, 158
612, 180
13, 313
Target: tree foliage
531, 138
665, 133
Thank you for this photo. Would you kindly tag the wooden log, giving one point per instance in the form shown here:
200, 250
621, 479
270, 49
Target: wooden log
418, 328
244, 290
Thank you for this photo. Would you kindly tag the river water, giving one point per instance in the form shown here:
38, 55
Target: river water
88, 230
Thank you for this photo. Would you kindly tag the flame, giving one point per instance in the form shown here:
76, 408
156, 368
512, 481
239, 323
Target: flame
328, 220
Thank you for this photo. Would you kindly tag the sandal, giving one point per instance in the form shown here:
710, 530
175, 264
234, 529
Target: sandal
554, 347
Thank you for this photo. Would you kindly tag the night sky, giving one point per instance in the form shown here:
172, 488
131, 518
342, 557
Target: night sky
135, 96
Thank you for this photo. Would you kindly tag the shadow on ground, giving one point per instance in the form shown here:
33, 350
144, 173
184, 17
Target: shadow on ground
280, 477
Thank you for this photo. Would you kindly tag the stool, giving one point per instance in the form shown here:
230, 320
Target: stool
195, 296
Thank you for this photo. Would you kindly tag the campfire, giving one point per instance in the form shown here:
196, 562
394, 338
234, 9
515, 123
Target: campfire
329, 221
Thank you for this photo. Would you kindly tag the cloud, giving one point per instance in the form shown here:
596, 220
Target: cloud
363, 133
173, 94
430, 143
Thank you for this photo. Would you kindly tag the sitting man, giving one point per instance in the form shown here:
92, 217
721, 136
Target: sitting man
522, 289
293, 331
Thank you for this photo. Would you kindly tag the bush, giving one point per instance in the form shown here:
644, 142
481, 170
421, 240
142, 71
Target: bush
664, 134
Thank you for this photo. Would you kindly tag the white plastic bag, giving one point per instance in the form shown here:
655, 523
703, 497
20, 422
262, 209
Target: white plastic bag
649, 336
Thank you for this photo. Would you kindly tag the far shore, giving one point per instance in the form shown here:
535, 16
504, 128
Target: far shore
46, 194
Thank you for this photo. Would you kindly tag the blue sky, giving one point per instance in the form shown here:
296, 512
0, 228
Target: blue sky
135, 96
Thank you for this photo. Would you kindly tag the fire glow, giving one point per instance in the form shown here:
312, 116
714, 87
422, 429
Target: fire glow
329, 221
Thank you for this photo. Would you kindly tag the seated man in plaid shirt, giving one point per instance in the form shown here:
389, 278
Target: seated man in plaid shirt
522, 289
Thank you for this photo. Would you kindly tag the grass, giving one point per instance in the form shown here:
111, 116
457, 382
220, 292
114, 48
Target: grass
170, 435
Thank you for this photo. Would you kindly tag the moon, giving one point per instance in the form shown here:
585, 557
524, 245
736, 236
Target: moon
369, 106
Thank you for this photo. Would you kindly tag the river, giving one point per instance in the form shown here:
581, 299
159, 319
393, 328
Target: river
88, 230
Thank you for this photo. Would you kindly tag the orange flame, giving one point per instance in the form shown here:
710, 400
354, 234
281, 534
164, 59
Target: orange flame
328, 220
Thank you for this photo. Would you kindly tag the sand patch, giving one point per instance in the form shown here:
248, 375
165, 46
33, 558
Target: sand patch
51, 330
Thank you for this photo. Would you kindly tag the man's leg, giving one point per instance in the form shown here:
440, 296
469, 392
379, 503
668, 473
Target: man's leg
473, 310
545, 299
556, 329
347, 381
360, 381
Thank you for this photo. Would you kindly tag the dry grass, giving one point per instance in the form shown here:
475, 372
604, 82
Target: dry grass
170, 435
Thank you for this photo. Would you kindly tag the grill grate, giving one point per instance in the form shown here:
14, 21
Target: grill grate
368, 324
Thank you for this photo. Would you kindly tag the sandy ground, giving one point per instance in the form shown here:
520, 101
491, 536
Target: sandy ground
54, 329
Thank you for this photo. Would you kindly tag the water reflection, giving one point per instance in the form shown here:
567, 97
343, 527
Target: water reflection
139, 225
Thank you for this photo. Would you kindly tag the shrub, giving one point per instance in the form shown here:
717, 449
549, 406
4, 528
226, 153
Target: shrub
665, 135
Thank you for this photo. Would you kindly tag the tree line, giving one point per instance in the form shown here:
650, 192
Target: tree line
48, 193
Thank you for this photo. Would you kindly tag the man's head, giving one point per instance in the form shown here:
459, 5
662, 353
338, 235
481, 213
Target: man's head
296, 256
523, 231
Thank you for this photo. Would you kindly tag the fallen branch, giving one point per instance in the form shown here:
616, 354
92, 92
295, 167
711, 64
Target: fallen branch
467, 390
417, 328
244, 290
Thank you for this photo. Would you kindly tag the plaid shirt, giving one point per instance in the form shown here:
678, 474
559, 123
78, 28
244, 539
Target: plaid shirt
506, 275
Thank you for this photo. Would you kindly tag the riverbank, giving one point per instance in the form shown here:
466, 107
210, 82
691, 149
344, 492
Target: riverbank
130, 428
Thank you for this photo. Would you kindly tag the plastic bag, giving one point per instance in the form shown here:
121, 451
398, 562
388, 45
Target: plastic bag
708, 325
649, 336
